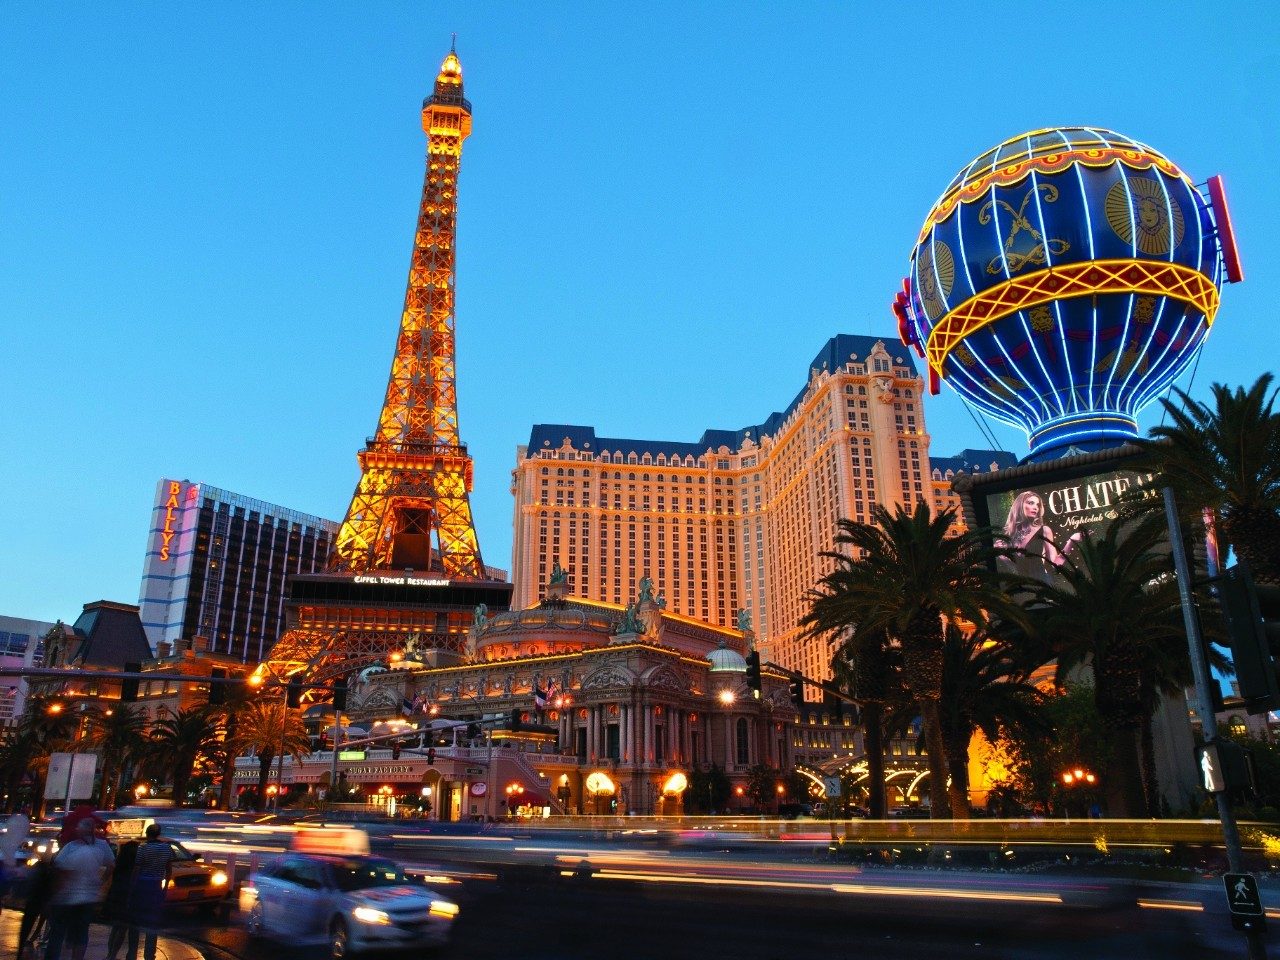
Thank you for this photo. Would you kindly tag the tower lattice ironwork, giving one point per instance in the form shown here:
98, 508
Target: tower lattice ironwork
406, 568
415, 473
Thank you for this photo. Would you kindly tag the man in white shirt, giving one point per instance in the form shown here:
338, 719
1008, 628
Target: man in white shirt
84, 869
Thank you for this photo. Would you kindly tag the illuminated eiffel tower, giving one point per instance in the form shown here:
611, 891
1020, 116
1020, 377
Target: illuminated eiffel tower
415, 475
407, 561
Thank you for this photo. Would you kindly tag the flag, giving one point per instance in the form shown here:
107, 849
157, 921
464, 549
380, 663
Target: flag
406, 706
543, 697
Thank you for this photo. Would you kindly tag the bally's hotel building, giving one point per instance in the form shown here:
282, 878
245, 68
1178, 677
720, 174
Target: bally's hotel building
740, 518
216, 566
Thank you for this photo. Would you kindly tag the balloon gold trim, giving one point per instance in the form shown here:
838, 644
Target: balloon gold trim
1011, 174
1064, 282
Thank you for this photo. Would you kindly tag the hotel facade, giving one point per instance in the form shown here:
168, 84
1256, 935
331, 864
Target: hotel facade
738, 520
216, 567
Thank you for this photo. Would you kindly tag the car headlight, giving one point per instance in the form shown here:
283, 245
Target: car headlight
219, 879
443, 908
370, 915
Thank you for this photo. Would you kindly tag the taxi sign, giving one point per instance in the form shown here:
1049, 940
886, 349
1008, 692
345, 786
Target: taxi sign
342, 841
1244, 901
129, 828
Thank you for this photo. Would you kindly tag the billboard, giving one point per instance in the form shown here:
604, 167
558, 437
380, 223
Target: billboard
1047, 518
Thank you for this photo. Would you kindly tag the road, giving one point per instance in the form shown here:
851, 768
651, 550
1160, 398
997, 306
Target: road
633, 891
760, 913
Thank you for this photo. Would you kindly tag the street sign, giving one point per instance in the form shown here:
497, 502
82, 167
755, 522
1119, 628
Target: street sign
832, 786
474, 771
1244, 901
70, 776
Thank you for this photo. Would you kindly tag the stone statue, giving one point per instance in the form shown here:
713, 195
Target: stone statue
558, 575
481, 614
744, 621
646, 589
661, 601
631, 622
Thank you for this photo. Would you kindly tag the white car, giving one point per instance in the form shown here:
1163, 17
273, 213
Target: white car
350, 903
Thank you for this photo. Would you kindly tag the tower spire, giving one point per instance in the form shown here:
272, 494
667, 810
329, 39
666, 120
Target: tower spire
411, 507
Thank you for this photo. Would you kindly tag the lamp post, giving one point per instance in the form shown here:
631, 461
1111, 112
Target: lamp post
1076, 779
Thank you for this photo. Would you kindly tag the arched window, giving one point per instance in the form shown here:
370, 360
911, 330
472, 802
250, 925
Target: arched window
743, 753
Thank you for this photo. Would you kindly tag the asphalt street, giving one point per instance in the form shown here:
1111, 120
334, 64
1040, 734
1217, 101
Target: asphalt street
537, 913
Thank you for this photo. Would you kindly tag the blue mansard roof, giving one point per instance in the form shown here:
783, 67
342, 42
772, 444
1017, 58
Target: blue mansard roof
837, 352
973, 461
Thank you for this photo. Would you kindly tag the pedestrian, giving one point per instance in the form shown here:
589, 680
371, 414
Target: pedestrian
83, 869
116, 909
41, 882
14, 836
82, 811
146, 892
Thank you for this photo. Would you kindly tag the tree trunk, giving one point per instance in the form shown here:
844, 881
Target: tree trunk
939, 809
181, 777
873, 743
1150, 782
264, 773
108, 771
1124, 775
958, 765
228, 765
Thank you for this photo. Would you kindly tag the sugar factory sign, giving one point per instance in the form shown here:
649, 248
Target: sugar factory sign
356, 772
380, 770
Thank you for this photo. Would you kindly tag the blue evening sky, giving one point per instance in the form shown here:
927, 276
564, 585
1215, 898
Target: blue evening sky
206, 214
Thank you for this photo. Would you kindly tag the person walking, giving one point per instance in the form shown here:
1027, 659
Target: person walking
42, 879
116, 909
146, 892
83, 867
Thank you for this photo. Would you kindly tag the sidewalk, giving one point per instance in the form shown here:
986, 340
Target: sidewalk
167, 948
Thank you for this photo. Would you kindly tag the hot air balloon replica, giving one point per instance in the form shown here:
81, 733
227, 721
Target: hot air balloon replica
1063, 280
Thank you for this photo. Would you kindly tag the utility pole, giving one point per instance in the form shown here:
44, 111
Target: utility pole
1204, 705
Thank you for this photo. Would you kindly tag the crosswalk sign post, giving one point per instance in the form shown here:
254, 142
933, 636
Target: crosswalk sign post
1244, 901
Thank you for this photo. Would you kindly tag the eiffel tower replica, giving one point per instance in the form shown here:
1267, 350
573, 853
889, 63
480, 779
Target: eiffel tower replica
406, 568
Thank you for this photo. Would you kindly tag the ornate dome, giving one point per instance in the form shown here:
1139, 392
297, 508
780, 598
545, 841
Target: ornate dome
724, 660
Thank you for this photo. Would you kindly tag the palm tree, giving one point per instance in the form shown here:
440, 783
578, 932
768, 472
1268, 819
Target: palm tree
1225, 457
26, 748
905, 576
235, 702
118, 734
178, 739
869, 668
268, 727
985, 687
1115, 608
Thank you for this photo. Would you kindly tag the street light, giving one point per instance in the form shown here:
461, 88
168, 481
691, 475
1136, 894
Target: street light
1078, 778
727, 697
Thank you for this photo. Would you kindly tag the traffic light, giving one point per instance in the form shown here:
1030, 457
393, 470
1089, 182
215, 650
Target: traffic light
753, 672
473, 731
832, 703
795, 687
516, 720
431, 755
293, 694
129, 688
1252, 617
340, 694
395, 749
217, 689
1225, 766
